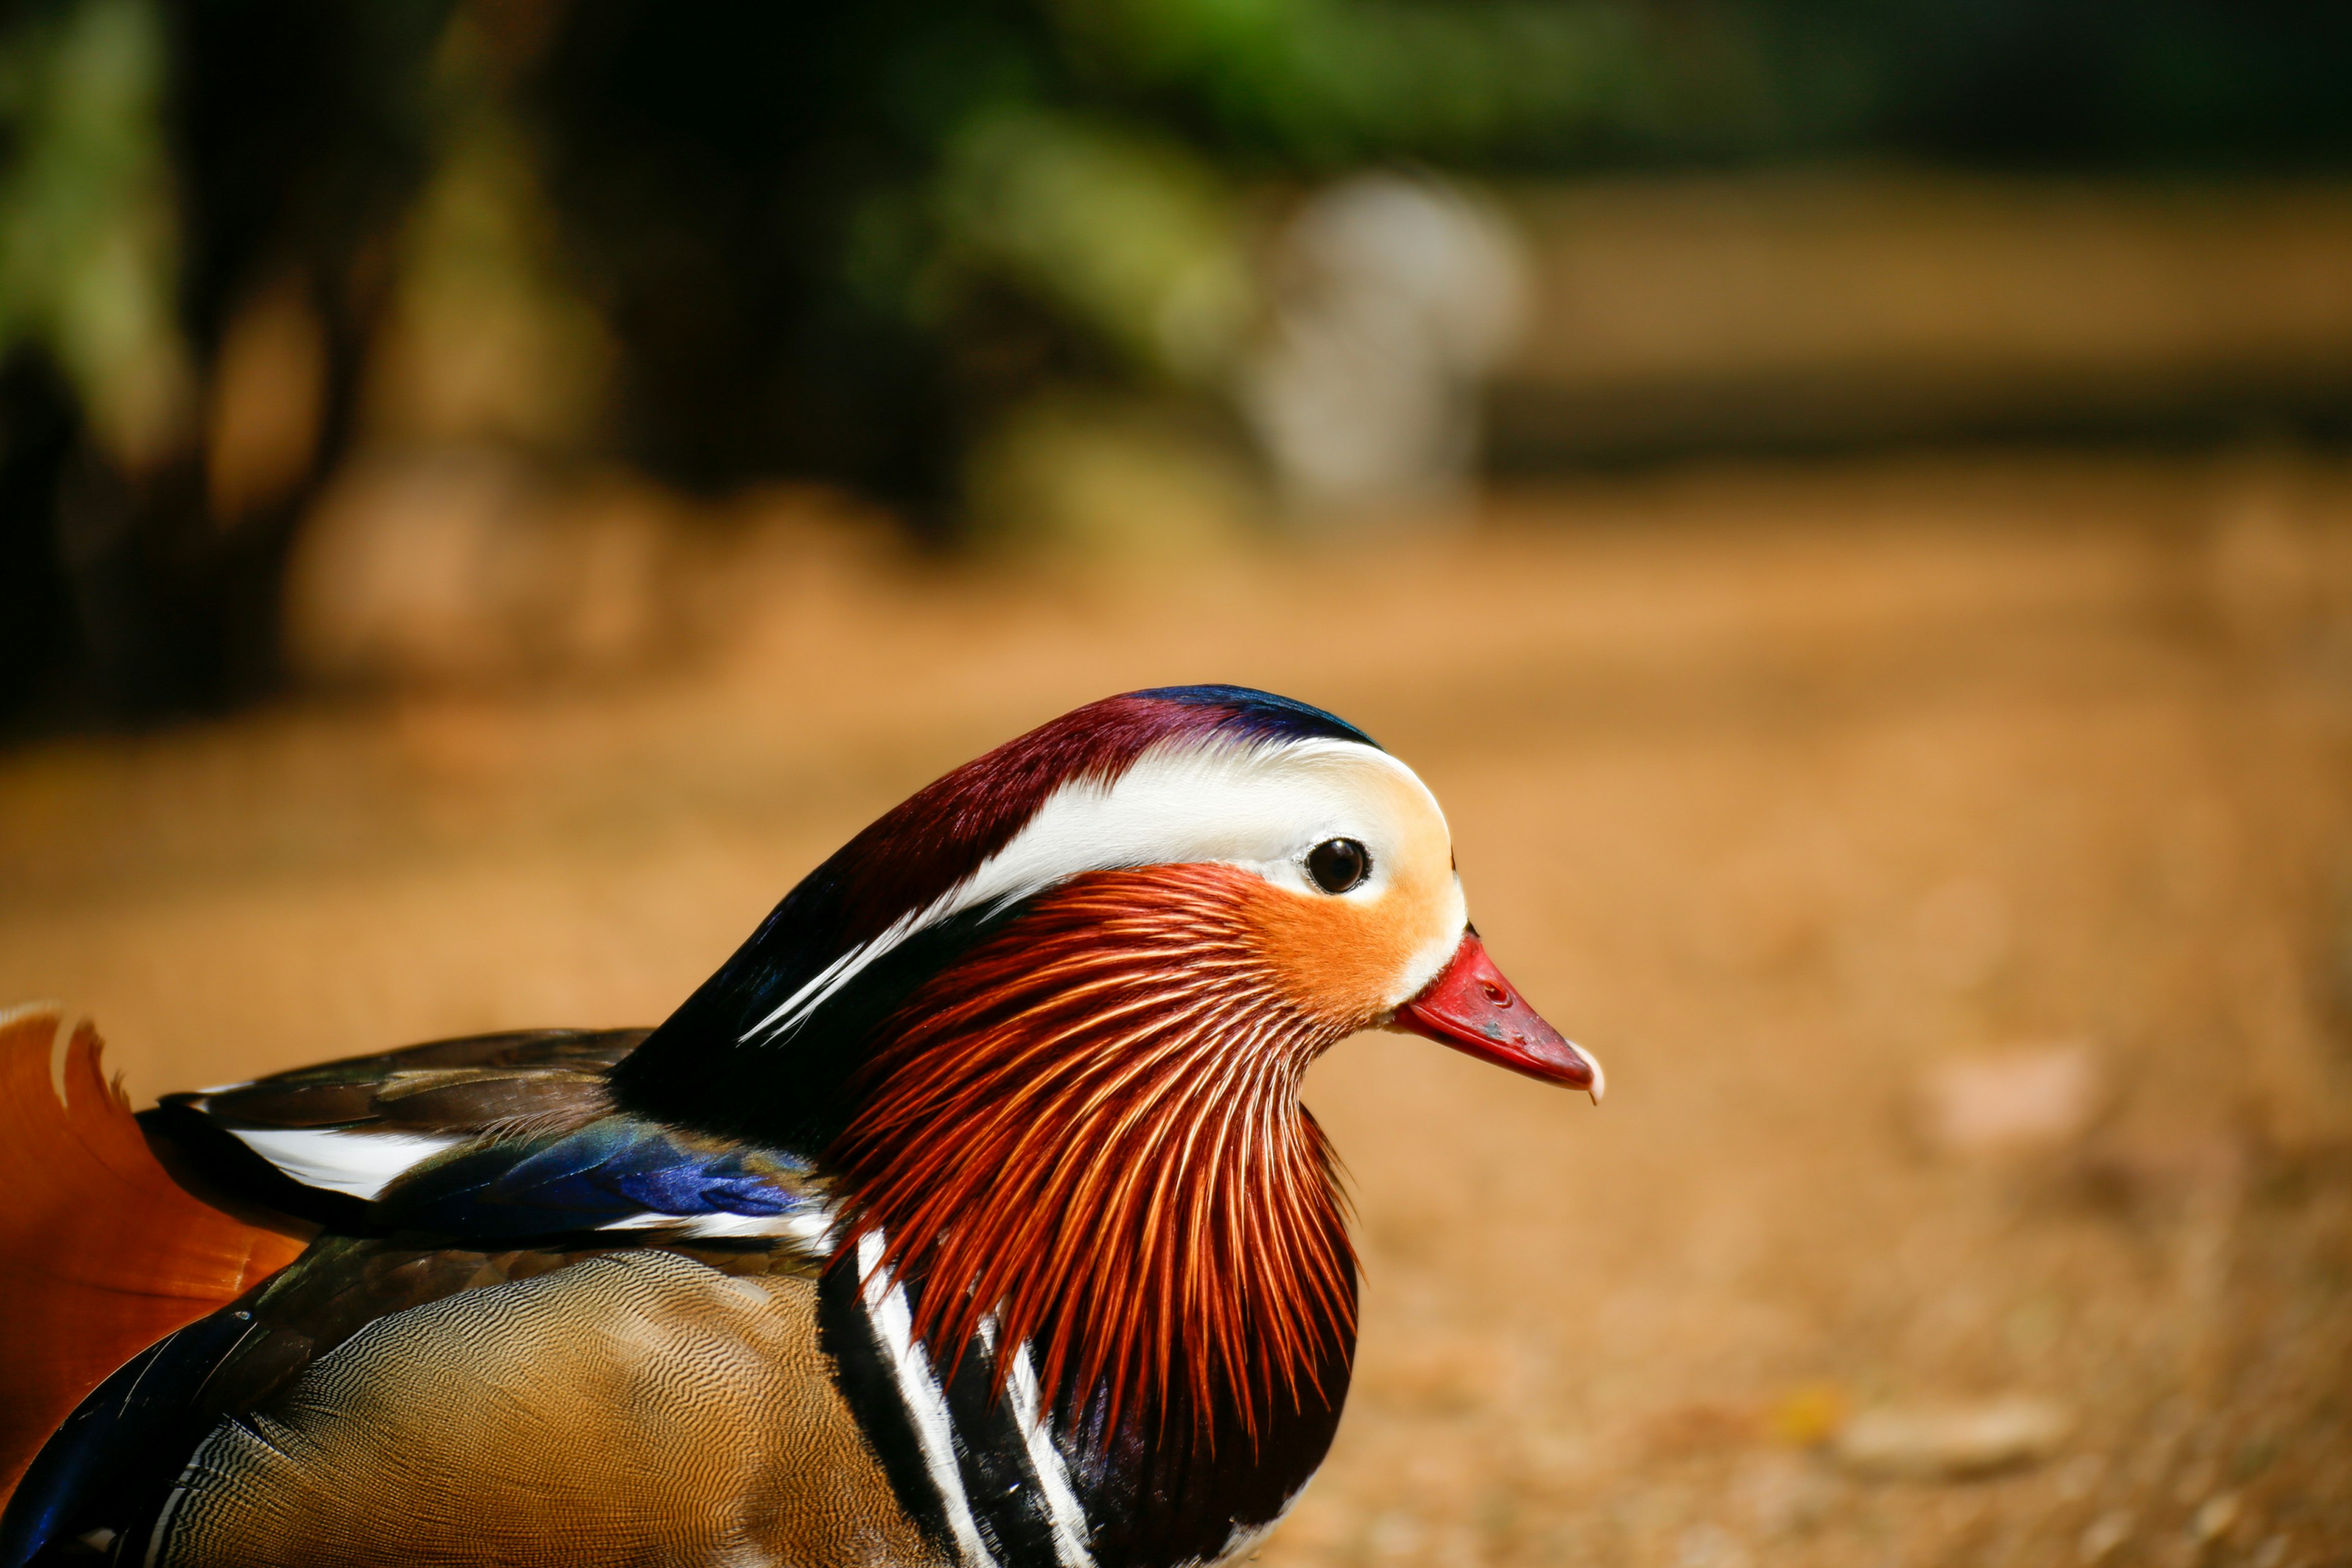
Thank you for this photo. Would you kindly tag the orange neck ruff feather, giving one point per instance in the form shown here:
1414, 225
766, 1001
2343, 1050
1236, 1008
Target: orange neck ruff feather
1090, 1128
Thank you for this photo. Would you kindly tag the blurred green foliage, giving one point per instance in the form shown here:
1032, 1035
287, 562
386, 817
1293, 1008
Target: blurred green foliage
743, 238
89, 242
834, 241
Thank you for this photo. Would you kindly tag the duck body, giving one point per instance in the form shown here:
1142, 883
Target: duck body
616, 1365
967, 1215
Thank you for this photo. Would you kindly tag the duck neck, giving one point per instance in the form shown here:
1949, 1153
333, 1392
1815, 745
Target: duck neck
1085, 1138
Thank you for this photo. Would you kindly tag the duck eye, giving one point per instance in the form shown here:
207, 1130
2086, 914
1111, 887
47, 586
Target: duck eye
1338, 864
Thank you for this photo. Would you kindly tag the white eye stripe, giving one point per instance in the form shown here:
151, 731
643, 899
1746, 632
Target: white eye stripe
1262, 807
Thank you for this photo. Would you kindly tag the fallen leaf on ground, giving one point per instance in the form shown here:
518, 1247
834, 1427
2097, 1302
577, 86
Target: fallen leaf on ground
2011, 1101
1953, 1440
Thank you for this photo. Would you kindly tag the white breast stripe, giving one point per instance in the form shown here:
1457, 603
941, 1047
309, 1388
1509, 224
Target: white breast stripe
1240, 1542
360, 1163
926, 1408
1070, 1528
1248, 1538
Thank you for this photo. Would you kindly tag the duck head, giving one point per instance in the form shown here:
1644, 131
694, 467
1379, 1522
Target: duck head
1043, 1026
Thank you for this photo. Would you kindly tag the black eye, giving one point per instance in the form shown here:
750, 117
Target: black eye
1338, 864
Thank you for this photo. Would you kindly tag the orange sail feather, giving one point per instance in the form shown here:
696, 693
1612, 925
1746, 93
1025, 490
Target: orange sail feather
101, 1253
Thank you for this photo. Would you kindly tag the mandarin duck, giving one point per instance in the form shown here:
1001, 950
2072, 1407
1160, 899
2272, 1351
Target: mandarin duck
968, 1214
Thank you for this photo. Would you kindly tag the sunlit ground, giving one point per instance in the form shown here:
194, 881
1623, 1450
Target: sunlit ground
1782, 788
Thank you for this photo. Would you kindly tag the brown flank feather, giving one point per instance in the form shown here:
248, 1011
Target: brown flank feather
101, 1253
1090, 1127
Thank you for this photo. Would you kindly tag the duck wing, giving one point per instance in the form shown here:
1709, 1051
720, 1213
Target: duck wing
493, 1138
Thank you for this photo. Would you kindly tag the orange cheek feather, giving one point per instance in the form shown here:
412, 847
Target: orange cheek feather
1342, 961
1347, 960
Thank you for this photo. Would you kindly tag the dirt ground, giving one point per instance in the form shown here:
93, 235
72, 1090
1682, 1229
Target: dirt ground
1779, 786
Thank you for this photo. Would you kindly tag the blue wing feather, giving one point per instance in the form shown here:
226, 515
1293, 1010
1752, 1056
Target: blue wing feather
493, 1138
617, 1171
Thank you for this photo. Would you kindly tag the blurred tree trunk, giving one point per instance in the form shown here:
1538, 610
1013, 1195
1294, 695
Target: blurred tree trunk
253, 159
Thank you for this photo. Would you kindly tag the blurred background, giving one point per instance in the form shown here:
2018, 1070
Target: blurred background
1849, 506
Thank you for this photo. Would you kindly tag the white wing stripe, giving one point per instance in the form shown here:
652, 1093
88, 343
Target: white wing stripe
812, 1229
359, 1164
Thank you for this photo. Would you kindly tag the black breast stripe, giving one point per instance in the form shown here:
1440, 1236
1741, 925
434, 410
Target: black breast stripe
1000, 1490
1007, 1501
862, 1370
1139, 1498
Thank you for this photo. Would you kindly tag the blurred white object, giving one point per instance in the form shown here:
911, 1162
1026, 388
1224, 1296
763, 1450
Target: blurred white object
2009, 1100
1393, 296
1954, 1440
